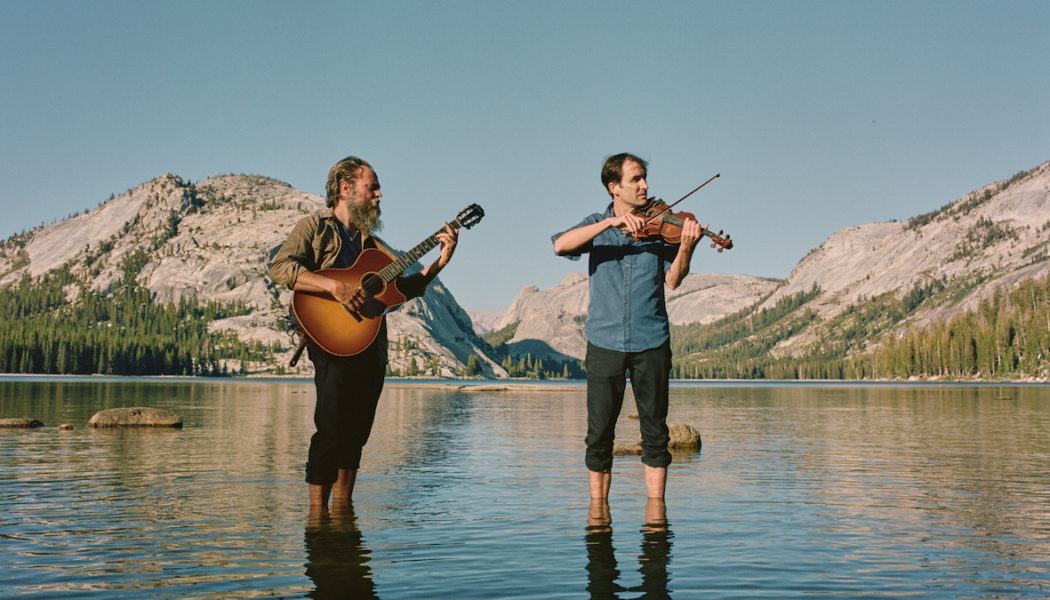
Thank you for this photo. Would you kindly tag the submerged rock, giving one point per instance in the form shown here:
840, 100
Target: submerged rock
627, 449
136, 416
684, 438
20, 423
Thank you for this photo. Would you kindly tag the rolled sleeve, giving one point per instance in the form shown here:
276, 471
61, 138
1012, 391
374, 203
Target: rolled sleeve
576, 254
295, 256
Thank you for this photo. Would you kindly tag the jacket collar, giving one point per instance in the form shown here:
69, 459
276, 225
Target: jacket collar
329, 217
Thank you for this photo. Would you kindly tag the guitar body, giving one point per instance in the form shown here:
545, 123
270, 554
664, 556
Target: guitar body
338, 330
330, 324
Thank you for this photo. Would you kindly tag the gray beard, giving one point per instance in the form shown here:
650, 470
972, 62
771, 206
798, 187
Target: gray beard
365, 219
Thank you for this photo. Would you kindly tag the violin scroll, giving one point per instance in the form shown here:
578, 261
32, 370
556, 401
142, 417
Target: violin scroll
718, 241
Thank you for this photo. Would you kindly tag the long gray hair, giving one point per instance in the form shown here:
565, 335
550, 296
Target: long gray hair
347, 170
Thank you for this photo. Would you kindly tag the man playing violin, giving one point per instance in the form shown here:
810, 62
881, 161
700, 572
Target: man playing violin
627, 327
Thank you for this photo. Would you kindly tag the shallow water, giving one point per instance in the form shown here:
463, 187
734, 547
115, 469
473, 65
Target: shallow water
931, 491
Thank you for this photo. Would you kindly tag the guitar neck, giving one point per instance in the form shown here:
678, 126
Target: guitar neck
396, 268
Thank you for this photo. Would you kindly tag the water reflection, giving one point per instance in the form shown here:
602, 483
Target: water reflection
603, 573
656, 550
336, 556
888, 491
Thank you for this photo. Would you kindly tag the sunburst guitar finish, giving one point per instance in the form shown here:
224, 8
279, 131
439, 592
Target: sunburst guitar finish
340, 331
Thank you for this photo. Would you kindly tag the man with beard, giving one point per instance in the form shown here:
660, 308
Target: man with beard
348, 388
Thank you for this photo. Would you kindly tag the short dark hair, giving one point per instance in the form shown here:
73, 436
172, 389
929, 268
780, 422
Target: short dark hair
347, 169
612, 170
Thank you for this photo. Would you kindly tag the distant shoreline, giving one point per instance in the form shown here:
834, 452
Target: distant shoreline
513, 385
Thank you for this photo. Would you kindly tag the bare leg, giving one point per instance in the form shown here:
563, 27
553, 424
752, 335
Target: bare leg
316, 516
319, 496
655, 514
655, 481
599, 518
599, 483
343, 488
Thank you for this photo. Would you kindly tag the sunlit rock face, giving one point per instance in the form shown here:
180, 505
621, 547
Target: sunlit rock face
212, 242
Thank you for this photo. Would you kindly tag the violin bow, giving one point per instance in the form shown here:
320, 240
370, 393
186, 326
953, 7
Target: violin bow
667, 208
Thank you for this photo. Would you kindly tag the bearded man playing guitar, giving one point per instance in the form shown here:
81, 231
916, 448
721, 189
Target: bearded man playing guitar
348, 384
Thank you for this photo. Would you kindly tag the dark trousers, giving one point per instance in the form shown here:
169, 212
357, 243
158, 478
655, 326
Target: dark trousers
348, 390
650, 372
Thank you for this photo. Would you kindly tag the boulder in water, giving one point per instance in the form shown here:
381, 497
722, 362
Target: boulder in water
684, 438
20, 423
135, 416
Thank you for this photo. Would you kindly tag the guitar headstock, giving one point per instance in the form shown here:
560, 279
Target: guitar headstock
470, 216
719, 241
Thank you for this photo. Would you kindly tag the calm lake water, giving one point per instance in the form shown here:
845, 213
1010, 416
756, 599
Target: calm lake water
843, 491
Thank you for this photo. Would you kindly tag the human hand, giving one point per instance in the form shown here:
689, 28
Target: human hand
449, 237
630, 223
691, 233
349, 295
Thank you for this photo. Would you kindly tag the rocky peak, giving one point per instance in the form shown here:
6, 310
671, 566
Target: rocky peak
213, 241
549, 323
1000, 228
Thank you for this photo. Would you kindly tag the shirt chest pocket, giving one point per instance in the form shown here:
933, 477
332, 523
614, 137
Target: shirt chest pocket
325, 248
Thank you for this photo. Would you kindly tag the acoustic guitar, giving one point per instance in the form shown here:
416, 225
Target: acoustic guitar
341, 331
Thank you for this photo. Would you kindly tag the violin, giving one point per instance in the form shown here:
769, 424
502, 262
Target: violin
660, 222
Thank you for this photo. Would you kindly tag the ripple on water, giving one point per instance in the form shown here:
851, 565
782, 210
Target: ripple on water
836, 490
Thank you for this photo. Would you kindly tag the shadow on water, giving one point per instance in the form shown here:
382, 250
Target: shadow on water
603, 573
336, 556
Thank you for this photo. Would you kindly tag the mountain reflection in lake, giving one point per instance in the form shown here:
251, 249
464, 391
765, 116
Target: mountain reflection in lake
935, 491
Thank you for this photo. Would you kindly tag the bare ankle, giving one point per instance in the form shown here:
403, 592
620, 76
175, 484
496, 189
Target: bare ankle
599, 483
319, 495
655, 482
343, 488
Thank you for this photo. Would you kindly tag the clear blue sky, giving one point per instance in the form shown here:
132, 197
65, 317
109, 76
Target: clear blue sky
818, 115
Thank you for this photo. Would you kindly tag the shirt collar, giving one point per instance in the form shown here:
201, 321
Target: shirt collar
329, 215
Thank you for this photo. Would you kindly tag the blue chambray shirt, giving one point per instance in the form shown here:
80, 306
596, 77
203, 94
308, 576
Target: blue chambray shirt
627, 311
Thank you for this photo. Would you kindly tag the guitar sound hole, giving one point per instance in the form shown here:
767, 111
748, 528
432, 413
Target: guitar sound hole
372, 283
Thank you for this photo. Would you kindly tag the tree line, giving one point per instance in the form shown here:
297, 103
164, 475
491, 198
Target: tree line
1006, 337
52, 325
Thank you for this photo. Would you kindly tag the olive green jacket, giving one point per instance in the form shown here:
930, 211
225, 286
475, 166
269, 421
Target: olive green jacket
314, 244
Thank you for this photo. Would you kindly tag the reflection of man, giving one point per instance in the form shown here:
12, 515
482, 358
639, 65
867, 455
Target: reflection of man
656, 550
627, 327
602, 571
348, 388
336, 558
